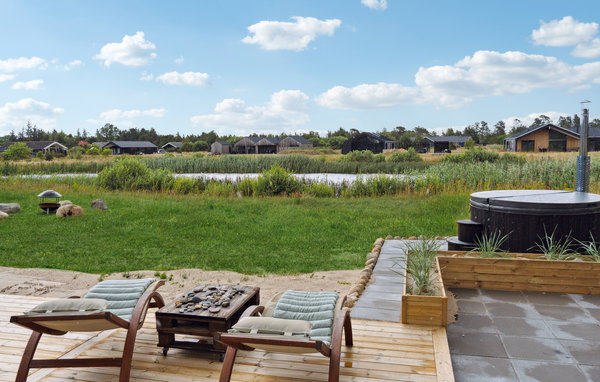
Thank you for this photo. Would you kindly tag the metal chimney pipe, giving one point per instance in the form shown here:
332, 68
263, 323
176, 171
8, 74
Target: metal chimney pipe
582, 173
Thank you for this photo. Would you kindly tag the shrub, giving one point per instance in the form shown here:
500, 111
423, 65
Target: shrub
320, 190
276, 181
358, 156
409, 155
201, 146
187, 147
106, 152
39, 155
219, 189
470, 143
476, 154
246, 186
128, 173
75, 152
183, 185
93, 151
17, 151
378, 158
48, 156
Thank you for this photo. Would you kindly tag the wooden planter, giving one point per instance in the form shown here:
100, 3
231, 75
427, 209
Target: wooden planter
519, 272
425, 310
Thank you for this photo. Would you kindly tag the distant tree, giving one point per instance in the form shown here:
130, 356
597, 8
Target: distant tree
500, 128
449, 132
595, 123
108, 132
565, 122
576, 121
339, 132
405, 142
201, 146
17, 151
422, 131
473, 132
187, 147
336, 141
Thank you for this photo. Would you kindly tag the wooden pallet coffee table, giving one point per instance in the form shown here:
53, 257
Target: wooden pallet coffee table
201, 323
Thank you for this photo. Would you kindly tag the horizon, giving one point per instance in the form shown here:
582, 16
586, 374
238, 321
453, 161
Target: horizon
275, 67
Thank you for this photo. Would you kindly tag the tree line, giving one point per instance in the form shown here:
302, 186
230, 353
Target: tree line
481, 132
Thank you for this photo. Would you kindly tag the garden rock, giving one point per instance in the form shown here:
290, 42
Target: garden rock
69, 210
10, 208
99, 204
65, 202
3, 215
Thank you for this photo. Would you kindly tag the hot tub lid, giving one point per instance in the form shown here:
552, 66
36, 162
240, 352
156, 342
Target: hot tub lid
543, 202
49, 194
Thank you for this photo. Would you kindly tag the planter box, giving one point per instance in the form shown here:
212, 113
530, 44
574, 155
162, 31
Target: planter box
519, 272
425, 310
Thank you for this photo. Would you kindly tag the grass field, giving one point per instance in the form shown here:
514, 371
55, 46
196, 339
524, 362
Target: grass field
248, 235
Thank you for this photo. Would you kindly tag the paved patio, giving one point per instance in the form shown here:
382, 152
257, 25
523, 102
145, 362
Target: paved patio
525, 336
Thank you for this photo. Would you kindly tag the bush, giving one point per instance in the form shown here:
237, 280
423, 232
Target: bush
405, 156
201, 146
106, 152
39, 155
276, 181
184, 185
470, 143
320, 190
187, 147
93, 151
358, 156
17, 151
246, 186
219, 189
131, 174
48, 156
378, 158
75, 152
476, 154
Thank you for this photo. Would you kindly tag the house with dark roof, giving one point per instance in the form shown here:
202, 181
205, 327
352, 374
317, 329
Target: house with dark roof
444, 143
131, 147
37, 146
376, 143
220, 147
550, 138
293, 142
172, 145
257, 145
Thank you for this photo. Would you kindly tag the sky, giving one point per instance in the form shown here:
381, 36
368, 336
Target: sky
282, 66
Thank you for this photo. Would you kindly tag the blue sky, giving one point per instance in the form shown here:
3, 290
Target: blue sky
239, 67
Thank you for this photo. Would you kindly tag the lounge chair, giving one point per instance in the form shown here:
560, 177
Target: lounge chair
108, 305
294, 322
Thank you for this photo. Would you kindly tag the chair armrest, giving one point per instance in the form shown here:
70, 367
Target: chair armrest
252, 310
139, 312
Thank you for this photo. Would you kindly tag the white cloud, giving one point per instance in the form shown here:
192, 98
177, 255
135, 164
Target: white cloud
286, 109
147, 76
368, 96
529, 118
118, 114
6, 77
16, 114
14, 64
277, 35
187, 78
375, 4
588, 49
179, 60
131, 51
29, 85
485, 74
565, 32
72, 64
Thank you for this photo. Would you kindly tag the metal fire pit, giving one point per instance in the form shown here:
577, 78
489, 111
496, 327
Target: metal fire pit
46, 203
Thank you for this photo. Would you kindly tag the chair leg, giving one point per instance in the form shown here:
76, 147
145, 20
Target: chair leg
127, 358
228, 362
334, 365
23, 371
348, 331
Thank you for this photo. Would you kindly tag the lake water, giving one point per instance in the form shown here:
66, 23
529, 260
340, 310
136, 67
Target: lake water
323, 178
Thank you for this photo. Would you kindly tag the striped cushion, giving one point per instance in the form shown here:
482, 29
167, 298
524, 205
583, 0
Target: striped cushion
122, 295
316, 307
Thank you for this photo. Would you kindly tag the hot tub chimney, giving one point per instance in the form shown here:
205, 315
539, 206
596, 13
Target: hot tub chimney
582, 174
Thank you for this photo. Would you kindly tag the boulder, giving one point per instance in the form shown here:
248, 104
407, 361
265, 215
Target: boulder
3, 215
99, 204
65, 202
10, 208
69, 210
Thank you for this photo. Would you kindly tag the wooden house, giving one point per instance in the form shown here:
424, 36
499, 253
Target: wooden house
445, 143
368, 141
172, 146
37, 146
550, 138
294, 141
131, 147
220, 148
257, 145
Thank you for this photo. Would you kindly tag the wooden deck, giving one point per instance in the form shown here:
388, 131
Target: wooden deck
382, 351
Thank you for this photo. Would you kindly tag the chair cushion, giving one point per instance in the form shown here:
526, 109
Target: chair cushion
270, 325
316, 307
71, 306
122, 295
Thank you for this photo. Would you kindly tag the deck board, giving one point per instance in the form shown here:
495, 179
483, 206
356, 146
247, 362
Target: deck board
383, 351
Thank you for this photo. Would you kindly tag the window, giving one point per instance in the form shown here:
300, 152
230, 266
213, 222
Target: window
557, 141
527, 145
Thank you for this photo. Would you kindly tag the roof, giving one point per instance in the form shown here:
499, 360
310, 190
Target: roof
174, 144
222, 142
33, 145
570, 131
272, 141
449, 138
299, 139
99, 144
375, 136
131, 144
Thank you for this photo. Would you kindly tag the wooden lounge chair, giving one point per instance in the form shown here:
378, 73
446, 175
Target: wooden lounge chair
108, 305
326, 322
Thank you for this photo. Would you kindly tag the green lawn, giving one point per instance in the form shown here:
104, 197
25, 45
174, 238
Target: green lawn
248, 235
